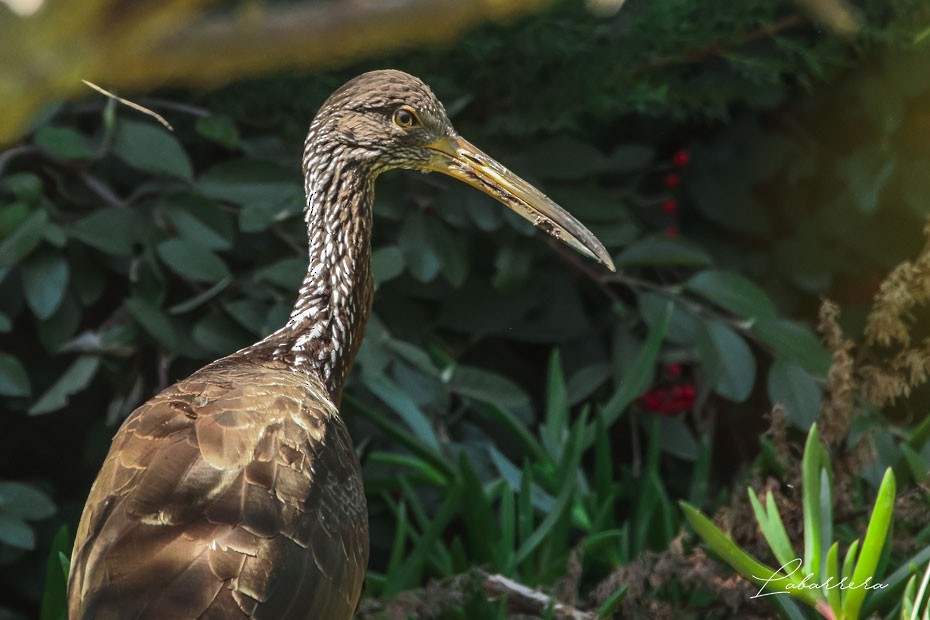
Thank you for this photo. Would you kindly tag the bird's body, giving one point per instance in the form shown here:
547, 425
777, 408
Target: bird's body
236, 492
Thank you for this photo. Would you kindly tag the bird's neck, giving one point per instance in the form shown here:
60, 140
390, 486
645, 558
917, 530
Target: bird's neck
328, 321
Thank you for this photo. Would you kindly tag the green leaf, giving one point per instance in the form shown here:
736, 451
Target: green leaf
201, 221
611, 603
774, 531
192, 261
795, 343
11, 216
386, 263
151, 148
585, 381
877, 532
414, 242
45, 281
13, 378
24, 239
727, 361
251, 182
487, 386
153, 321
561, 506
451, 250
682, 327
200, 298
288, 273
637, 380
220, 335
55, 594
797, 391
733, 292
517, 428
25, 501
662, 251
399, 435
64, 142
219, 128
555, 423
814, 461
56, 330
832, 576
630, 157
563, 158
16, 532
405, 408
743, 563
865, 172
249, 313
676, 438
111, 230
26, 186
77, 377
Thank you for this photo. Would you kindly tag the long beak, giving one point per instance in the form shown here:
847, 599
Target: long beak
455, 156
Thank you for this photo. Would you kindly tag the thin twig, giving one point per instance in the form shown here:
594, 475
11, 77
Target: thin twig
9, 154
101, 189
525, 599
134, 106
719, 48
592, 273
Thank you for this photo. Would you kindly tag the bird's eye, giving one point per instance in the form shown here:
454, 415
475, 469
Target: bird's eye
405, 118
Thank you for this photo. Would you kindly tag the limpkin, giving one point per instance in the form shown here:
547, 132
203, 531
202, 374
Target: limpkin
236, 492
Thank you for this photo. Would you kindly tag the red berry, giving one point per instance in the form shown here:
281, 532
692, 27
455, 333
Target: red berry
670, 206
681, 158
673, 370
672, 232
672, 180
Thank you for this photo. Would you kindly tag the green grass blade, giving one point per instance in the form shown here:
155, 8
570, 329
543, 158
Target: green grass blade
871, 546
397, 434
405, 576
636, 382
811, 479
774, 530
895, 581
743, 563
508, 529
607, 608
832, 578
566, 476
517, 429
427, 472
525, 515
556, 418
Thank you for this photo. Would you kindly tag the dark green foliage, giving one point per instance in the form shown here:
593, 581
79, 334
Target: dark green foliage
495, 397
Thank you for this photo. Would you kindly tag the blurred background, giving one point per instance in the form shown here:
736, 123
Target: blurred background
516, 408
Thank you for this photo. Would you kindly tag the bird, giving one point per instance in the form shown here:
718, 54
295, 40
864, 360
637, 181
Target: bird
237, 492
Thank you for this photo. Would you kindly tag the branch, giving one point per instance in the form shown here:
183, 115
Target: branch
139, 46
438, 597
720, 48
523, 599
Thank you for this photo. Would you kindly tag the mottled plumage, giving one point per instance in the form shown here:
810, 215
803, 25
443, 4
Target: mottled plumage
236, 492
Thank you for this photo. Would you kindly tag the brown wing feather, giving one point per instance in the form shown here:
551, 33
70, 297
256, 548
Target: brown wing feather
232, 494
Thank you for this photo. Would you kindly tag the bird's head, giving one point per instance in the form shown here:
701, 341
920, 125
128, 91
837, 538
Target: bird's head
390, 119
